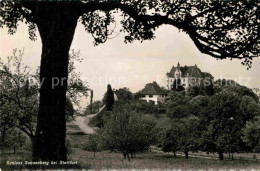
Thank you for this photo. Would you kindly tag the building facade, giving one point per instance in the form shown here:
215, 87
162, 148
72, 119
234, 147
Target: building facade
188, 76
153, 93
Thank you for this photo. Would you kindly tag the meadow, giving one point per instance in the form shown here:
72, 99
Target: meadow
153, 159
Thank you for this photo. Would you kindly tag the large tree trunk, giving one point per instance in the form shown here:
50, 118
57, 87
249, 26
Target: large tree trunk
56, 28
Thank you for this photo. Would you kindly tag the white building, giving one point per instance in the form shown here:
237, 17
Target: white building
188, 76
153, 93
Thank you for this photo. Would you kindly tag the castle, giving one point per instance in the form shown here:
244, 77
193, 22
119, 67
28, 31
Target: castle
188, 76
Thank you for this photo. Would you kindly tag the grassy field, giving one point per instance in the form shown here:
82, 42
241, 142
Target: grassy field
148, 160
152, 160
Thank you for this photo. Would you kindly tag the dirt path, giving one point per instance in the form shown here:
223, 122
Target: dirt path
83, 123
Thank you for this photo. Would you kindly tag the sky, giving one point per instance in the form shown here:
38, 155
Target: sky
132, 65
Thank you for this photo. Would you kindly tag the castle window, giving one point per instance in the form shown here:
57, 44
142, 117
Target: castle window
150, 95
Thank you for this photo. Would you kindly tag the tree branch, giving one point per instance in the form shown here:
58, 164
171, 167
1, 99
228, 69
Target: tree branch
129, 10
27, 16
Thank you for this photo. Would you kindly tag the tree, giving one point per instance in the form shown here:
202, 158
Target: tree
77, 88
251, 134
128, 131
91, 100
69, 110
177, 105
194, 91
231, 85
206, 88
209, 89
19, 94
110, 100
198, 104
225, 116
181, 136
124, 94
168, 141
214, 27
137, 95
96, 105
93, 143
14, 139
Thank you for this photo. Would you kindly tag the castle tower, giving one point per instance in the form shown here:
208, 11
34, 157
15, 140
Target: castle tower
178, 71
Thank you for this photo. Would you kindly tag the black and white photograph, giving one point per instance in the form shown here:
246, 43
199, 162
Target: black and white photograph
130, 85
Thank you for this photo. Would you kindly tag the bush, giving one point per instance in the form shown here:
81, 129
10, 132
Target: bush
145, 107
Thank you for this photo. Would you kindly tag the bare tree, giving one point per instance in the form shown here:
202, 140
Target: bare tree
19, 94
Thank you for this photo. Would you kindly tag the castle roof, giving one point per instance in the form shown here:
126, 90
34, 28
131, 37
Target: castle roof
152, 89
192, 71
